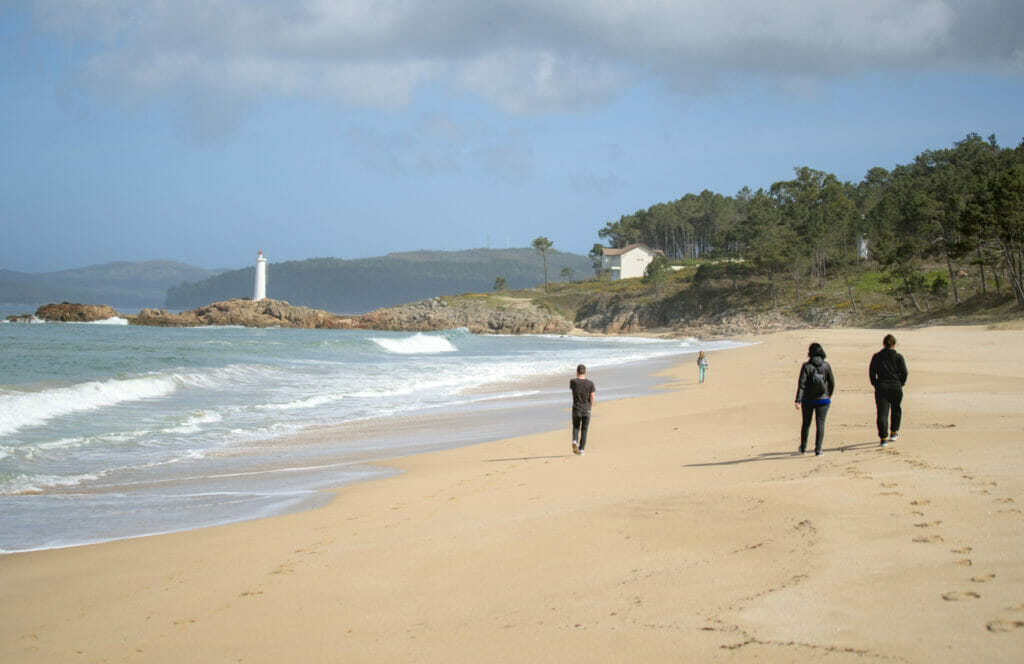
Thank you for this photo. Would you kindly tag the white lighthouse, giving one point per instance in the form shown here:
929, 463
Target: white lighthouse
260, 290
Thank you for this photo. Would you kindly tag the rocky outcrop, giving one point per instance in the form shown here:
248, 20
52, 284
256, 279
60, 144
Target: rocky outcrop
628, 317
245, 313
618, 318
733, 324
67, 312
480, 316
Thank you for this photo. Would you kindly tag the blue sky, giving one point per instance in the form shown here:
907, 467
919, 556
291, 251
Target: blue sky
202, 130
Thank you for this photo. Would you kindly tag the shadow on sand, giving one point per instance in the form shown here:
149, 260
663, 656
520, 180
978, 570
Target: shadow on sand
769, 456
534, 458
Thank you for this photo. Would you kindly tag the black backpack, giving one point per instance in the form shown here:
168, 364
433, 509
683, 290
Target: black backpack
819, 385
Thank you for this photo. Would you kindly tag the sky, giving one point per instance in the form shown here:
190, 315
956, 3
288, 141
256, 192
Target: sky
201, 131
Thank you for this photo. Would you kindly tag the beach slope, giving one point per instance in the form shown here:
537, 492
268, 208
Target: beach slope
690, 531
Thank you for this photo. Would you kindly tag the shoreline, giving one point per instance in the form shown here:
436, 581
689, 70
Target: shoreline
290, 472
690, 530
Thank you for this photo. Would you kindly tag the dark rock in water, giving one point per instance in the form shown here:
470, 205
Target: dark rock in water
67, 312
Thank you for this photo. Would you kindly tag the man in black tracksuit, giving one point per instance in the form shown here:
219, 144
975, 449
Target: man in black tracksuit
582, 389
888, 374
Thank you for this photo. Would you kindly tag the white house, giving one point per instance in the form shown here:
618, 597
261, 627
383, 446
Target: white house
628, 262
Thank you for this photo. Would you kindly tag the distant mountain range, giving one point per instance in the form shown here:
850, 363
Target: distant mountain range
336, 285
124, 286
364, 284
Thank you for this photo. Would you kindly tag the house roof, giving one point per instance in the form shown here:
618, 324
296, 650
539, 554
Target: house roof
609, 251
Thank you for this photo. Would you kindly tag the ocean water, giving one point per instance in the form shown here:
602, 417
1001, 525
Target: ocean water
110, 431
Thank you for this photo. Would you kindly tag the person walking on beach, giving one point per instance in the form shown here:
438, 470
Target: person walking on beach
702, 366
814, 390
582, 389
888, 374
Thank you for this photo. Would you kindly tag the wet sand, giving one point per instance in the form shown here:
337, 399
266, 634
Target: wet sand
690, 531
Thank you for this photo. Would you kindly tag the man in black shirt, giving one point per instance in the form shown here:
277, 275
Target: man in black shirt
582, 389
888, 374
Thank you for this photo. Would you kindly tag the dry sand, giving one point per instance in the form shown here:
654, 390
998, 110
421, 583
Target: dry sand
690, 531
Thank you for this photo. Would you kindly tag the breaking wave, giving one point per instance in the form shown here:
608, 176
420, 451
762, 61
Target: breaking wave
27, 409
418, 344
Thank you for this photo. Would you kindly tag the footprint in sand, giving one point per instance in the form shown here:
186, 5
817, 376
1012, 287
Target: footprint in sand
1004, 625
983, 579
965, 562
964, 549
929, 539
929, 524
920, 502
960, 595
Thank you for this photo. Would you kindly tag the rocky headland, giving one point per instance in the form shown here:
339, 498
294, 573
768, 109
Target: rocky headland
244, 313
480, 314
512, 316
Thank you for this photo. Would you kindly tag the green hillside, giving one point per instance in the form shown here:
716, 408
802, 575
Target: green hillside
364, 284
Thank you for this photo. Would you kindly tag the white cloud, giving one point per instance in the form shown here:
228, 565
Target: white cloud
523, 56
520, 81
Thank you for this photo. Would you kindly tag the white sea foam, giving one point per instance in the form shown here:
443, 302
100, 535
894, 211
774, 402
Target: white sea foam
299, 404
31, 319
194, 423
233, 374
61, 444
114, 320
28, 409
53, 448
418, 344
24, 485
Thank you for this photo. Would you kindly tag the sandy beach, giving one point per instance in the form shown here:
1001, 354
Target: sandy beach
690, 531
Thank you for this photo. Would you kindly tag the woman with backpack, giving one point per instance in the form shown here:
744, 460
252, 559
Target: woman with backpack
814, 389
702, 366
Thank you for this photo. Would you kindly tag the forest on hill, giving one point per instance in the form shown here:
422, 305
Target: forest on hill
123, 285
960, 209
363, 284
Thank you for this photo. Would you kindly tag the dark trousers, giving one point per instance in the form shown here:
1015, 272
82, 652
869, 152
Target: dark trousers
819, 413
888, 410
580, 423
